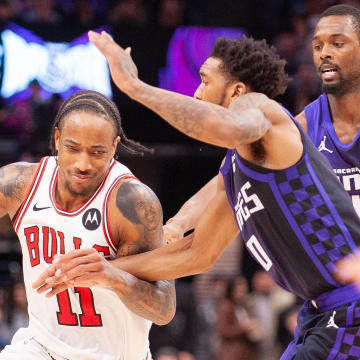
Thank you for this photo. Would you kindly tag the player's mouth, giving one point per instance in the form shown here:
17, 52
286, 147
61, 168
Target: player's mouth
81, 178
328, 72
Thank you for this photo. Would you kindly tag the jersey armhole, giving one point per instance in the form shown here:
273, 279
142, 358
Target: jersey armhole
225, 167
20, 212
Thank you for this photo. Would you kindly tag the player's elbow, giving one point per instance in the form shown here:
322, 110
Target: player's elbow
248, 131
167, 309
166, 316
164, 320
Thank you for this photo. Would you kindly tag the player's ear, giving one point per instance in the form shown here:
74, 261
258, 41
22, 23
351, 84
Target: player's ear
115, 144
56, 138
239, 88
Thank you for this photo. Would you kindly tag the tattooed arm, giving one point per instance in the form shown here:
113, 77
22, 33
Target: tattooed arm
214, 124
136, 221
191, 255
15, 179
140, 230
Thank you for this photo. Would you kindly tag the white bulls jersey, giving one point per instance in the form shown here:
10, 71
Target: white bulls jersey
79, 323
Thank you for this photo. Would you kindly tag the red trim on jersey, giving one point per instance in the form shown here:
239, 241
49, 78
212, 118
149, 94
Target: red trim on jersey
31, 192
84, 205
106, 228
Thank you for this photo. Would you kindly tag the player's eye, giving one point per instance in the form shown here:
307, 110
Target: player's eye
70, 148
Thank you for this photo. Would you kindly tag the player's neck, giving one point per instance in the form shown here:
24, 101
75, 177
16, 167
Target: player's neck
344, 109
66, 199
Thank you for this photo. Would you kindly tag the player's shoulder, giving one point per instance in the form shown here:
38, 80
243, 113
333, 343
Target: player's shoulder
132, 186
273, 111
22, 166
15, 179
301, 119
249, 100
135, 216
131, 196
20, 172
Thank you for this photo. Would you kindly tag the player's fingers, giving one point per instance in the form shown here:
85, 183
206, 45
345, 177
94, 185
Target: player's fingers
59, 262
107, 36
57, 289
85, 280
128, 50
66, 264
345, 273
97, 40
64, 258
103, 42
43, 288
93, 37
50, 271
169, 238
74, 272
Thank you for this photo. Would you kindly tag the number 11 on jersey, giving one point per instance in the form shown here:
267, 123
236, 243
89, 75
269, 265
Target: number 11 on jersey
88, 317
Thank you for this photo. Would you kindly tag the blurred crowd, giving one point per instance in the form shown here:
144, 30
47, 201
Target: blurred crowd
240, 317
147, 25
231, 322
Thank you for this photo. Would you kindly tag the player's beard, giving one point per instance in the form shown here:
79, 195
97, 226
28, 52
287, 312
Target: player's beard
85, 192
342, 86
337, 88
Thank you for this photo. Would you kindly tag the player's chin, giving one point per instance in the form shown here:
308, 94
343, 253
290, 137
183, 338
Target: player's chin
81, 189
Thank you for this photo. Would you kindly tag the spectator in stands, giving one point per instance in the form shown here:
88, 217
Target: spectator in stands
266, 301
239, 332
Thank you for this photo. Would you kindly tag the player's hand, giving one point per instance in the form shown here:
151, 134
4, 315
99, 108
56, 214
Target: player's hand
172, 231
122, 68
349, 269
83, 268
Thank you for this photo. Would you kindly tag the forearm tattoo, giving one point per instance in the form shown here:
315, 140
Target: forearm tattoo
138, 204
153, 301
201, 120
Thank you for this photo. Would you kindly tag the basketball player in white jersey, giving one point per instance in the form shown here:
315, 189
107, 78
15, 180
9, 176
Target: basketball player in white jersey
83, 198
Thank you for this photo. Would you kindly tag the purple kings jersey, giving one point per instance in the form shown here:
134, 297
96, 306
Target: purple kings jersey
297, 222
344, 158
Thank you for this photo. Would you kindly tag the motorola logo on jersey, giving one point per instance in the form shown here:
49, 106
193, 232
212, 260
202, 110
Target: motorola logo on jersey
91, 219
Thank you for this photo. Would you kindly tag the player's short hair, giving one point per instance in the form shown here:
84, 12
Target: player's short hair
344, 10
92, 101
252, 62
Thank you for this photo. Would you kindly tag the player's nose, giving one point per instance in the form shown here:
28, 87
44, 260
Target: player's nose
82, 162
197, 93
326, 52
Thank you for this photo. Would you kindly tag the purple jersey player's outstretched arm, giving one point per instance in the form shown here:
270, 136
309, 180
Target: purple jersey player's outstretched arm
250, 117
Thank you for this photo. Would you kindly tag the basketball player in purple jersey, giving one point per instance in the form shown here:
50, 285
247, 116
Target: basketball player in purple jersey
275, 188
332, 121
